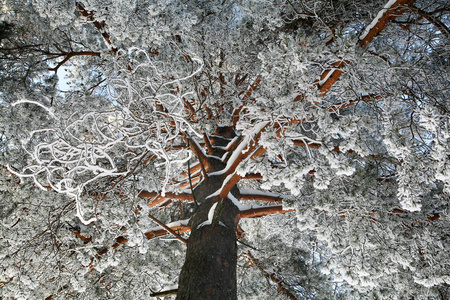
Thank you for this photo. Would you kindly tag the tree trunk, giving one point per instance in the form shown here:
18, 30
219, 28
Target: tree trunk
209, 271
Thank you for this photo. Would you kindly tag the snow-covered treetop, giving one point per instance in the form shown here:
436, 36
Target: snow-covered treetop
339, 108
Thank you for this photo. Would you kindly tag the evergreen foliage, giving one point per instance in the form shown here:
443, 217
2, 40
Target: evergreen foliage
322, 127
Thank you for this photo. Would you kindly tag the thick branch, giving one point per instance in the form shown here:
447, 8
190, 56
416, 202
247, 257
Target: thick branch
331, 76
68, 56
165, 293
198, 152
245, 149
263, 211
389, 14
260, 197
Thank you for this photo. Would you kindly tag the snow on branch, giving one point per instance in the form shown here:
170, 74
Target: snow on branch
255, 195
176, 235
179, 227
22, 101
263, 211
390, 11
144, 119
248, 94
158, 198
100, 26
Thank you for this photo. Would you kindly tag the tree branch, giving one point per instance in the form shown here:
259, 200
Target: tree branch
253, 86
168, 293
260, 197
198, 152
159, 232
437, 23
160, 198
272, 277
98, 25
390, 14
167, 228
263, 211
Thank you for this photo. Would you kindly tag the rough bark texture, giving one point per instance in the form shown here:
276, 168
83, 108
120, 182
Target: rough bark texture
209, 271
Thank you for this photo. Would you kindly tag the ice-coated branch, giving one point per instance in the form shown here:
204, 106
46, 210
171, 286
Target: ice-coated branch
390, 11
247, 95
113, 143
22, 101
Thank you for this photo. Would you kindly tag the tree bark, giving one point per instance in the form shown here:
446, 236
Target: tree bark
209, 271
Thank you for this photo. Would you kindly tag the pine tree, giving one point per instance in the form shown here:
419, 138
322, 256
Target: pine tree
330, 117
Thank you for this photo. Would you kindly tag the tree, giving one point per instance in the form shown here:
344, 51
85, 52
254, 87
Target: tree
181, 113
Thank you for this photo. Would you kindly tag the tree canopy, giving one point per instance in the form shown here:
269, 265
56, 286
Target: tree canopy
315, 134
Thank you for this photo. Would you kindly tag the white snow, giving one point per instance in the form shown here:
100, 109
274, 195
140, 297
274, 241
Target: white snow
49, 110
170, 225
258, 192
242, 146
211, 212
210, 217
377, 18
321, 82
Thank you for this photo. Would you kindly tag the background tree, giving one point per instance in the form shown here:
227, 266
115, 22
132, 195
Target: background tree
181, 113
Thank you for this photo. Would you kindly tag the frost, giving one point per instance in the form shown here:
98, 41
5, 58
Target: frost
49, 110
380, 14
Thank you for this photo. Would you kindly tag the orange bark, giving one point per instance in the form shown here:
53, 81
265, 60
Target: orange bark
263, 211
85, 239
98, 25
235, 117
160, 199
168, 229
395, 10
336, 73
155, 233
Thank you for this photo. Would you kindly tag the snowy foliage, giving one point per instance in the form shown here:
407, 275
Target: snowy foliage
364, 161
